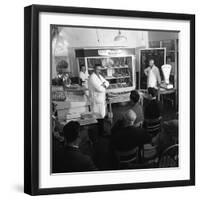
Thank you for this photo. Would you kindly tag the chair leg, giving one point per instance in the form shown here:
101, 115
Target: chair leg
141, 154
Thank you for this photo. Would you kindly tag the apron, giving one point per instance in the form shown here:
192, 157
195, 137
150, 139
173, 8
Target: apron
97, 95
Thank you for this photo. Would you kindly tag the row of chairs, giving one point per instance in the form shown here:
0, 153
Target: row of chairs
130, 159
147, 154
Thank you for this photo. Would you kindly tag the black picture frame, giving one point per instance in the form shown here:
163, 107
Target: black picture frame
31, 98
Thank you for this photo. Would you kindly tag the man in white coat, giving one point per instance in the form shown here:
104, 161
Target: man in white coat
83, 75
97, 87
153, 75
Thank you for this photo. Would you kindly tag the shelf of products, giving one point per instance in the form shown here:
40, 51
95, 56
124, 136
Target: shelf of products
117, 66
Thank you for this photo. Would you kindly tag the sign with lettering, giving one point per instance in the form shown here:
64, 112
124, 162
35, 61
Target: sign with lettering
109, 52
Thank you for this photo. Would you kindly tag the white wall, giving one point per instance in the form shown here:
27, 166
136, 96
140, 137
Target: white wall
91, 37
96, 38
11, 87
160, 35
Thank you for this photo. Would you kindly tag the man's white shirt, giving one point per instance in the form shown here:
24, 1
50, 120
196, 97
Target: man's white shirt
153, 76
83, 76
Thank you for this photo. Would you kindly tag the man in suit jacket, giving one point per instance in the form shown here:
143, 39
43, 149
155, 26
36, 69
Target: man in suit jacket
126, 137
70, 158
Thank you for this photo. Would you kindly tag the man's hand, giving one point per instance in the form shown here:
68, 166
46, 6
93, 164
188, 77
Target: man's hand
104, 84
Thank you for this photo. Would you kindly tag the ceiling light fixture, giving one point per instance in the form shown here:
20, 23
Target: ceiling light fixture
120, 37
97, 33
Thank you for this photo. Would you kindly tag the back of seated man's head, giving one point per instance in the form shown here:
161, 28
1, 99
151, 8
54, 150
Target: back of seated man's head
134, 96
71, 131
152, 92
130, 117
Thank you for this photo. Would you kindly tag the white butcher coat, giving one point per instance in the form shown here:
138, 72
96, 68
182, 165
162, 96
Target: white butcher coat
98, 94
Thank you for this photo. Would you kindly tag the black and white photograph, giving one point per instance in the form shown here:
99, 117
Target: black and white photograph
114, 98
100, 100
109, 100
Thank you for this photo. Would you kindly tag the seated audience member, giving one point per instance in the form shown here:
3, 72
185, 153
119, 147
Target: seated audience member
70, 158
120, 123
136, 107
152, 109
126, 136
168, 136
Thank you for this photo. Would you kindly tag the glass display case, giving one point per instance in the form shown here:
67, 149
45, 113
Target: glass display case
117, 66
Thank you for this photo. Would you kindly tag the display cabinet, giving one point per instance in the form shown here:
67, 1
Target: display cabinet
117, 66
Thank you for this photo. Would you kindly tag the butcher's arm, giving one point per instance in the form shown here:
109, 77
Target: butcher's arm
106, 83
81, 76
98, 87
146, 71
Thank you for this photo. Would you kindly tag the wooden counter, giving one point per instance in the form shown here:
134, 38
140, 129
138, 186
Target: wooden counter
76, 102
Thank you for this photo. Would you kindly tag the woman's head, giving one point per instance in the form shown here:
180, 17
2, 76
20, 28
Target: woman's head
71, 131
134, 96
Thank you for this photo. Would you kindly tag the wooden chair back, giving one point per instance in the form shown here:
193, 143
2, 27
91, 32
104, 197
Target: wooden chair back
127, 157
169, 157
153, 126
